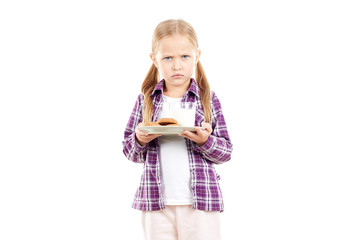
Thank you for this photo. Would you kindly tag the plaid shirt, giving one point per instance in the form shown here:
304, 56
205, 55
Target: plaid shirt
203, 178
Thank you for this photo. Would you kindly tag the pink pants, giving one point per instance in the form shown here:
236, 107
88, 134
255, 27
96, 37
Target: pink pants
181, 222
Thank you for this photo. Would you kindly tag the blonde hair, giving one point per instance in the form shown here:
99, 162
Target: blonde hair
166, 29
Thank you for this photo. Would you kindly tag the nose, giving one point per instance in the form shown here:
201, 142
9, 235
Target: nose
177, 65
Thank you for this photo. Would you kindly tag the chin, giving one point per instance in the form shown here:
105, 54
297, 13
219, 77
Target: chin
178, 83
178, 80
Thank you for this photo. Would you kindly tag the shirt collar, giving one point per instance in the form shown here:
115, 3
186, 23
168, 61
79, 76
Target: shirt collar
194, 88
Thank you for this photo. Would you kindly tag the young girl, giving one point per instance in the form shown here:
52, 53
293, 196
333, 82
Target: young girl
179, 192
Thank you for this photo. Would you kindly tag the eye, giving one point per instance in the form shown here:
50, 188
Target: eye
167, 58
185, 57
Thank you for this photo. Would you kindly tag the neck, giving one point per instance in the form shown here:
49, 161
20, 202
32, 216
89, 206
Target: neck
176, 91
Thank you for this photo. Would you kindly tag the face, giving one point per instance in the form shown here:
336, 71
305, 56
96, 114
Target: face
176, 60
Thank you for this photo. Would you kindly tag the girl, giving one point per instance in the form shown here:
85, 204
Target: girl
179, 192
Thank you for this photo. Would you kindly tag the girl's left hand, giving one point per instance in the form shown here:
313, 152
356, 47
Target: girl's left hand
200, 136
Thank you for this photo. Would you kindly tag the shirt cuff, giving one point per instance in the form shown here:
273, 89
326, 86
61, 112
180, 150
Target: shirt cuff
137, 146
207, 146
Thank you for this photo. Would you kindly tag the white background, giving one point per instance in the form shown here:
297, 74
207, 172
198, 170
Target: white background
287, 75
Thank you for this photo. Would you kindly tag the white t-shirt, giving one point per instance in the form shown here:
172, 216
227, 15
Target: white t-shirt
174, 162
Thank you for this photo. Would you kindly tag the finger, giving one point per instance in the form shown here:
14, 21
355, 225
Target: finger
199, 130
141, 133
148, 138
189, 135
207, 126
154, 135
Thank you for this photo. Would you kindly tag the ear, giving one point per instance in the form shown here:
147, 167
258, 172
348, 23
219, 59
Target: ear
154, 60
198, 53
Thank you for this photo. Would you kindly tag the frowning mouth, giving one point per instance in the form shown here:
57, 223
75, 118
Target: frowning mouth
177, 75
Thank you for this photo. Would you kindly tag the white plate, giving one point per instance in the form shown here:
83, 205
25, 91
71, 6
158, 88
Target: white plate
167, 130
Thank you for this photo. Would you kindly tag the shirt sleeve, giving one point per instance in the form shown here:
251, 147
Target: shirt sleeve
218, 147
131, 148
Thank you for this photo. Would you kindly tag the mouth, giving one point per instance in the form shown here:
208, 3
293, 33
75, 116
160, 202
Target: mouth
177, 75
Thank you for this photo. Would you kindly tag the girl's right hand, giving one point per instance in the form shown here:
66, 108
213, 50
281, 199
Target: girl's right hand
143, 137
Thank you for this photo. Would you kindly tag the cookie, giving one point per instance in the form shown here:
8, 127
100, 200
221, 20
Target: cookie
166, 121
151, 124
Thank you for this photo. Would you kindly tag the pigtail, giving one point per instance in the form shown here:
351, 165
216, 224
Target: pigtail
147, 87
205, 93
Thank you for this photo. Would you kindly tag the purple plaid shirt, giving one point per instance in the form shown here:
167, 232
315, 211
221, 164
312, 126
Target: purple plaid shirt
203, 178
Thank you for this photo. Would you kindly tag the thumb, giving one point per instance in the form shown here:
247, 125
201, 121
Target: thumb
207, 126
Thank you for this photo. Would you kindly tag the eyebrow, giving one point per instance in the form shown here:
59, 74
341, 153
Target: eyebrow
171, 55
